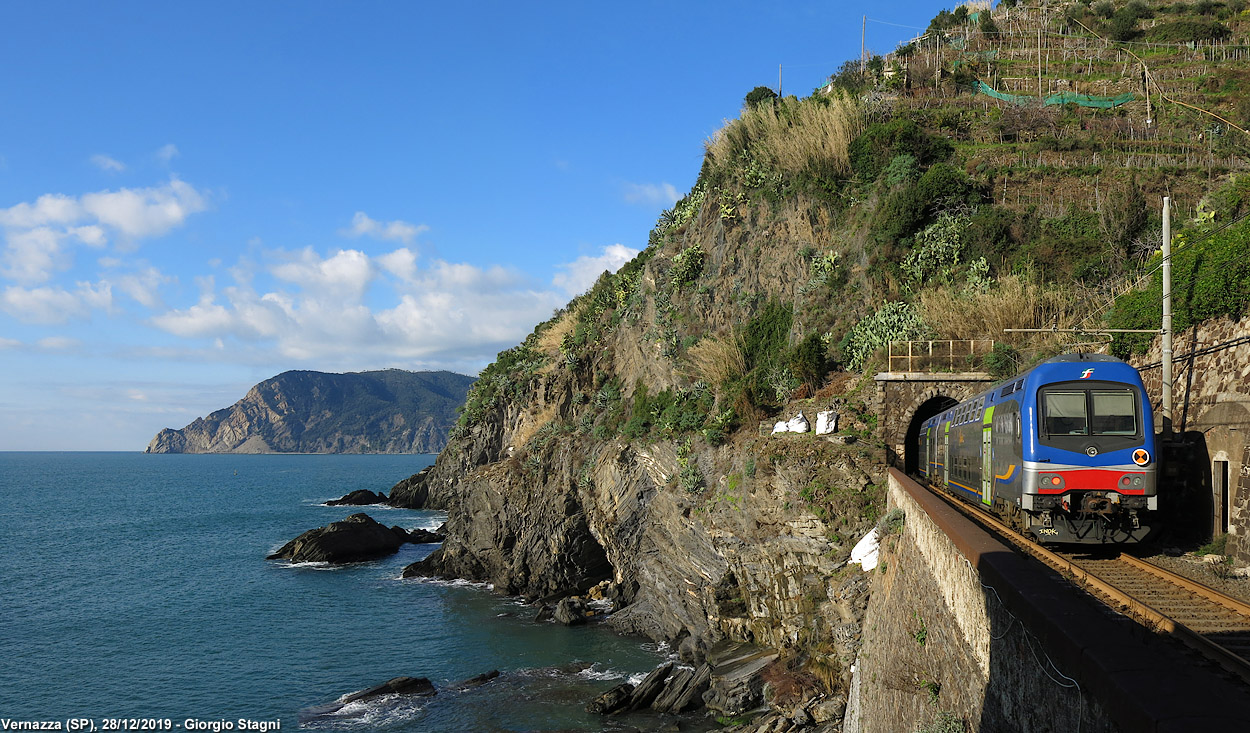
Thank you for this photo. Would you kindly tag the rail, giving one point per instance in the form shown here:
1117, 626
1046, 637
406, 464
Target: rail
1103, 580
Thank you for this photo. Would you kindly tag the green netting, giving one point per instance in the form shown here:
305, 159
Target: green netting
1082, 100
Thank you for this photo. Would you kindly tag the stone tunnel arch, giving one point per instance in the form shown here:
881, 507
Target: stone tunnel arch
930, 403
906, 399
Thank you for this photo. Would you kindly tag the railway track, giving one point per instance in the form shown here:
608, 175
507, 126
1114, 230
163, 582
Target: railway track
1210, 622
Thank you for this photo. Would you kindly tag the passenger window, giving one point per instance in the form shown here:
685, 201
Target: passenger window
1115, 412
1065, 413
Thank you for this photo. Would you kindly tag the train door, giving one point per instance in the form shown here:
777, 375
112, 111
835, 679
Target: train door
924, 453
946, 453
987, 464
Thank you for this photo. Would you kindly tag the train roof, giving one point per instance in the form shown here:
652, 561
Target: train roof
1043, 371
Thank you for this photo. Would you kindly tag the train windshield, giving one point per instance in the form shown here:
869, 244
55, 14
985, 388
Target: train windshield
1089, 412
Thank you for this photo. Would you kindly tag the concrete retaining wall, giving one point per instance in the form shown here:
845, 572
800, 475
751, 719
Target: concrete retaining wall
962, 628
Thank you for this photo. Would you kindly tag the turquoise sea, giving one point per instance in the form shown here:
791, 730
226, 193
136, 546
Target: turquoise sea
136, 586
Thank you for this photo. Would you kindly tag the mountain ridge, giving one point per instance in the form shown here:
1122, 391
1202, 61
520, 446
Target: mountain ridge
302, 411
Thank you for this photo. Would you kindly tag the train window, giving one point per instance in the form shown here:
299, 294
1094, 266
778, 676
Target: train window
1064, 413
1115, 412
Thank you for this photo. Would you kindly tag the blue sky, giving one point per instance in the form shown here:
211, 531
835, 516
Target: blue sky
197, 196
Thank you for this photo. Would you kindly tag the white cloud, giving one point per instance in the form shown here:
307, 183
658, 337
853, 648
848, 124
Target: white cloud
57, 343
333, 311
205, 318
49, 209
651, 194
46, 305
582, 273
9, 343
143, 286
107, 163
402, 263
347, 273
167, 152
31, 256
395, 231
145, 212
37, 234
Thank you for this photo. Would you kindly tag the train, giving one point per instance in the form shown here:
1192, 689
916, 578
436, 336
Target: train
1064, 452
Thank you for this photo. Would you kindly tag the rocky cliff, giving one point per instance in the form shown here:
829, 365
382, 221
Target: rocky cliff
620, 450
603, 456
389, 411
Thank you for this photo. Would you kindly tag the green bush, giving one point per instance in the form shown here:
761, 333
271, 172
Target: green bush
894, 321
759, 95
1210, 278
937, 251
1187, 30
880, 143
687, 266
1003, 361
1123, 26
902, 168
809, 362
944, 186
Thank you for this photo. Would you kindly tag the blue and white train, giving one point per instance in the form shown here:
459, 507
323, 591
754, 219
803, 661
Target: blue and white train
1064, 451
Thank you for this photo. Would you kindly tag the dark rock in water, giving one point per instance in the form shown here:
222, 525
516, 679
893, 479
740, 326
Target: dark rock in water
359, 497
359, 537
571, 611
735, 685
425, 537
612, 701
684, 690
479, 680
413, 492
546, 613
418, 686
650, 687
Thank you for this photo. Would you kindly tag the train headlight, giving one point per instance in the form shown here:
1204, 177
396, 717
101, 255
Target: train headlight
1052, 482
1141, 456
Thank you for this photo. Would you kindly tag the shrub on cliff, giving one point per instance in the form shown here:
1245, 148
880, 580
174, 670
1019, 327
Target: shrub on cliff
758, 96
880, 143
1210, 278
1187, 31
894, 321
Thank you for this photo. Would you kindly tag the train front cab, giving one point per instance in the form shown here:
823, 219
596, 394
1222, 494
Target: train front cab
1089, 462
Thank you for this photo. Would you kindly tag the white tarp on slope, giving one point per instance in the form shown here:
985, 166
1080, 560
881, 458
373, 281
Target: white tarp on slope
865, 551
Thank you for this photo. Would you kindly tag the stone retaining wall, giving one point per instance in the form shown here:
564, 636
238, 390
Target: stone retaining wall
1211, 410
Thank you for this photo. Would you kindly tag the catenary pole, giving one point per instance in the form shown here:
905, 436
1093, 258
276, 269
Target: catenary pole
1167, 319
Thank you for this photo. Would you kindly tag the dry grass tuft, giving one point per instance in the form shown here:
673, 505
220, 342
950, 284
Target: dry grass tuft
530, 424
790, 136
550, 339
715, 360
1017, 302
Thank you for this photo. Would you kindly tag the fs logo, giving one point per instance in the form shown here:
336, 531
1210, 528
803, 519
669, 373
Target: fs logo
1087, 373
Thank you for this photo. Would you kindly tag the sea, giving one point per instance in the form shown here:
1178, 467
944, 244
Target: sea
134, 587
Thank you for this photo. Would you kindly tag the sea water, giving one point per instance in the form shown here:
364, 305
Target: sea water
135, 586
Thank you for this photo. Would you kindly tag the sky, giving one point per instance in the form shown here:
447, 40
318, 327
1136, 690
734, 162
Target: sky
197, 196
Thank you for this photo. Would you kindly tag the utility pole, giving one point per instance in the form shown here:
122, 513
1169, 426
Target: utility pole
779, 80
1039, 61
863, 30
1167, 320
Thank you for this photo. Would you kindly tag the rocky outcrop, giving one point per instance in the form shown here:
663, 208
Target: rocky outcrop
389, 411
416, 686
420, 536
359, 497
357, 538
